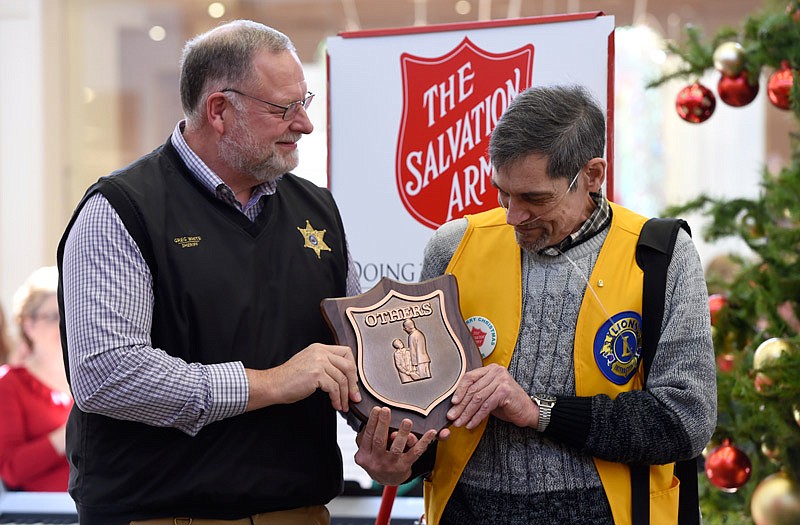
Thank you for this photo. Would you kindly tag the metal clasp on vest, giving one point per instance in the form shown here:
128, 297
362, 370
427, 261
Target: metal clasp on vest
182, 521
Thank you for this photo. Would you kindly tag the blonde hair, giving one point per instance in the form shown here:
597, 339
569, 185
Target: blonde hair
37, 288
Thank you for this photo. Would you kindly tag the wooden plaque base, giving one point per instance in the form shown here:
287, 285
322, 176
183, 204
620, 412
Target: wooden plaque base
411, 348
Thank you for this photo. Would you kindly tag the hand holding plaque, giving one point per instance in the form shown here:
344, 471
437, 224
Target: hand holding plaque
410, 345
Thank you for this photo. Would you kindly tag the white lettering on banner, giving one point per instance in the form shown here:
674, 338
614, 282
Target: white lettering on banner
445, 93
473, 176
459, 139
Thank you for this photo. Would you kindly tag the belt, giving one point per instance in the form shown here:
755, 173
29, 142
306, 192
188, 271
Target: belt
316, 515
191, 521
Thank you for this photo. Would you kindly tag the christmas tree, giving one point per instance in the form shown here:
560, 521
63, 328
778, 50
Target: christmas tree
752, 465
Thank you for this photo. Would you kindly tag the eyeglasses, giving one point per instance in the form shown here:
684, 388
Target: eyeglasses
550, 208
48, 317
289, 111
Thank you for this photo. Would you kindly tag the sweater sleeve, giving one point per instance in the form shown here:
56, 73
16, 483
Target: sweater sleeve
441, 247
675, 416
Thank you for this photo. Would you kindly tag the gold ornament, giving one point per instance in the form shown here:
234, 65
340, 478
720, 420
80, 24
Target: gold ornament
729, 58
776, 501
770, 450
769, 351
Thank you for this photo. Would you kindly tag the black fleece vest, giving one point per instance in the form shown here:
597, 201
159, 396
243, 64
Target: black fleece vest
226, 289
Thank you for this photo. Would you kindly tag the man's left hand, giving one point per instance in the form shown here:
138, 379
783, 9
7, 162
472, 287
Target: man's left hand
491, 390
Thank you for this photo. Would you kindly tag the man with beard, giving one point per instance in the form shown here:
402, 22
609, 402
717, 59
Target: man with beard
546, 430
205, 379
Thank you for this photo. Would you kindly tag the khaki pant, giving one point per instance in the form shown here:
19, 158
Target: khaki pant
317, 515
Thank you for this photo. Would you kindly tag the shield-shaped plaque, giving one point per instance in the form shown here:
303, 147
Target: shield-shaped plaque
410, 345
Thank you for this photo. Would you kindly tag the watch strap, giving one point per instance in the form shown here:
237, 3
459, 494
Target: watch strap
545, 403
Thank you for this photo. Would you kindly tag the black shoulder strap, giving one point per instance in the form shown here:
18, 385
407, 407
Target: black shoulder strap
653, 255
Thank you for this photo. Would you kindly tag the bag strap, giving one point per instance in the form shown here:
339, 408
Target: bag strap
653, 255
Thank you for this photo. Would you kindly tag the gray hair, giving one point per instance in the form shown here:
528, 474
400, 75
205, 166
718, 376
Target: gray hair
223, 57
563, 123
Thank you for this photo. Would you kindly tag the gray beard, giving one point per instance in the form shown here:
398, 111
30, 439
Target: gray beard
535, 246
247, 156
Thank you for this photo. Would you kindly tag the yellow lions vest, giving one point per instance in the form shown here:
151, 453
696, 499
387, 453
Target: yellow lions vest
487, 265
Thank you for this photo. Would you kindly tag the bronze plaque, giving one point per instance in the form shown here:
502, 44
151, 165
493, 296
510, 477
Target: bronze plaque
411, 347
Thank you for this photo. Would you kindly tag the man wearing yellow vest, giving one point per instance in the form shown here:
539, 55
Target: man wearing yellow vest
544, 432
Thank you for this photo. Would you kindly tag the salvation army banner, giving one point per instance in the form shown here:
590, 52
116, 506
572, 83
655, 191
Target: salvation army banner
410, 115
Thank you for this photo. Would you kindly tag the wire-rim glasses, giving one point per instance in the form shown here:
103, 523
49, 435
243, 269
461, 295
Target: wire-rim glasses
289, 111
550, 208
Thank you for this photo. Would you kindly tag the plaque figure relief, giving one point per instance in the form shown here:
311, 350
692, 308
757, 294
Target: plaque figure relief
419, 352
402, 361
411, 347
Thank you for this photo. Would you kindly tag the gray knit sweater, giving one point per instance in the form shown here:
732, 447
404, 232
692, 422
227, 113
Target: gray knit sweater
519, 476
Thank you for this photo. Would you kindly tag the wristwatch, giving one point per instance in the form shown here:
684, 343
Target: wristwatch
545, 402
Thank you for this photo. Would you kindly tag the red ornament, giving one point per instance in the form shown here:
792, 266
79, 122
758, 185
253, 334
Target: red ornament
736, 91
779, 86
727, 467
793, 10
715, 303
695, 103
725, 362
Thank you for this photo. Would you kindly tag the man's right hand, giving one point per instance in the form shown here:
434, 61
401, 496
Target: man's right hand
392, 465
330, 368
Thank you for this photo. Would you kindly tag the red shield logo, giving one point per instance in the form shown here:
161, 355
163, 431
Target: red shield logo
478, 335
451, 104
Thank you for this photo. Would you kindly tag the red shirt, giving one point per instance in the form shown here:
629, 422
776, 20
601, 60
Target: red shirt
29, 411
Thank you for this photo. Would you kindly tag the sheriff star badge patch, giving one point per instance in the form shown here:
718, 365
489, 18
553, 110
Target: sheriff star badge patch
313, 239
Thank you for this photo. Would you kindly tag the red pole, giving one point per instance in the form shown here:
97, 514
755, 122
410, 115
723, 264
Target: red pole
387, 500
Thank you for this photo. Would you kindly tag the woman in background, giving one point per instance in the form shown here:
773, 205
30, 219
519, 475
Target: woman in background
34, 395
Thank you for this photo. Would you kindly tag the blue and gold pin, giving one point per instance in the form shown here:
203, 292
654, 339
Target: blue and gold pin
313, 238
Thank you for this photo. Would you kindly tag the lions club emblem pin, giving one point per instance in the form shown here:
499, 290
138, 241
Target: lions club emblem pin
618, 347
